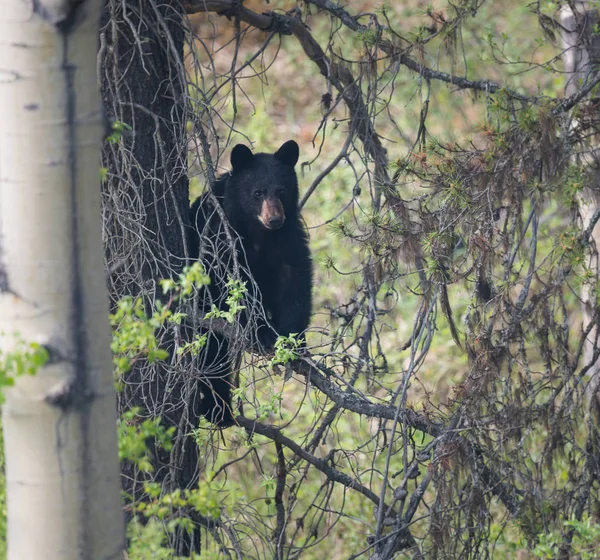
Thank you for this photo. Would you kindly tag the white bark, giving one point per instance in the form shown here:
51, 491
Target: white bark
581, 57
59, 426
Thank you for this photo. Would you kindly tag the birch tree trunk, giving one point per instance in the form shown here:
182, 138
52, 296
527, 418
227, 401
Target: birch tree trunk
582, 56
59, 426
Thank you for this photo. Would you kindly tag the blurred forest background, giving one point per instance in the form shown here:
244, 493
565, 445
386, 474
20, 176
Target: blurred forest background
446, 406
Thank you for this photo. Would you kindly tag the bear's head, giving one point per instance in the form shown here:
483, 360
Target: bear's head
262, 189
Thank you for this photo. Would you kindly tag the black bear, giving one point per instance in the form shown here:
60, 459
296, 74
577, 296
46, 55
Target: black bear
259, 197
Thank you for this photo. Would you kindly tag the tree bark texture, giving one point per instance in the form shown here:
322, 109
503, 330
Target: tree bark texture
59, 425
145, 206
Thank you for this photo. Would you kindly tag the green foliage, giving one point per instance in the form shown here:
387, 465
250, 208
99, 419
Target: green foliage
25, 358
192, 277
528, 118
118, 128
268, 483
342, 228
134, 331
572, 185
286, 349
585, 544
148, 541
134, 338
133, 436
269, 407
134, 334
194, 346
236, 290
369, 36
570, 248
204, 499
239, 391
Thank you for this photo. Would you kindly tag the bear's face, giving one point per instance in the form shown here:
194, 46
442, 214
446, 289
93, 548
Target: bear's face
263, 188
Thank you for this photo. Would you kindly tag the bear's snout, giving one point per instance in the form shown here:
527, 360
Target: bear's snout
272, 215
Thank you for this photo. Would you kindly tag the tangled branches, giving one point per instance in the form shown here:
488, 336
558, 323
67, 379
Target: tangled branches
440, 409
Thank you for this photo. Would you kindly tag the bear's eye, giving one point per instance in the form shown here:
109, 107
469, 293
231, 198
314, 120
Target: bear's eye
280, 193
258, 194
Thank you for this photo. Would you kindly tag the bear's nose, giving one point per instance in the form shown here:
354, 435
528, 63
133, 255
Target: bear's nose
275, 222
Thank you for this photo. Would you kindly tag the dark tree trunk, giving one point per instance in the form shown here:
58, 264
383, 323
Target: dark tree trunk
145, 210
143, 86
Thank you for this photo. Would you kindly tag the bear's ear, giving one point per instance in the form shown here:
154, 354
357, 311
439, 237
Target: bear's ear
288, 153
241, 156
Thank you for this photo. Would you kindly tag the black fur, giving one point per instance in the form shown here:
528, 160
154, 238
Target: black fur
260, 199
